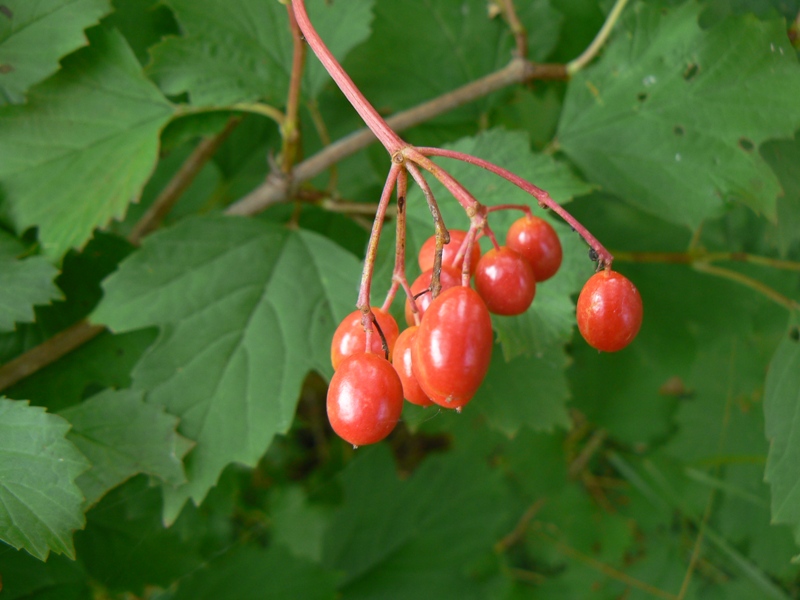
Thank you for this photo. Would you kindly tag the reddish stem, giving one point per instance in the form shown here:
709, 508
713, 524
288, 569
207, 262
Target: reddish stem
523, 207
604, 256
372, 248
399, 273
385, 134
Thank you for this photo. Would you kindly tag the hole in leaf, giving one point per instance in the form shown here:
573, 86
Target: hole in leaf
641, 96
6, 11
691, 71
678, 130
794, 333
746, 144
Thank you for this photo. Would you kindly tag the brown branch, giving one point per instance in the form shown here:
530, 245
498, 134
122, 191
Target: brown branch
81, 332
517, 28
290, 127
48, 352
517, 71
182, 179
608, 570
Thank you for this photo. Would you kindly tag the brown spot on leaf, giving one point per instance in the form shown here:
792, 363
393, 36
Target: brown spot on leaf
746, 145
6, 11
5, 69
691, 71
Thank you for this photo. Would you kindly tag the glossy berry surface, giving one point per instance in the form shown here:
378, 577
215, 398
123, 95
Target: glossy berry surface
454, 347
448, 278
365, 399
350, 337
609, 311
403, 365
505, 281
428, 252
537, 241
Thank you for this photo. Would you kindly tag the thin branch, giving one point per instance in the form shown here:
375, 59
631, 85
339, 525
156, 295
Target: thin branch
390, 140
608, 570
605, 257
47, 352
290, 130
517, 28
265, 110
182, 179
693, 256
587, 55
517, 71
81, 332
754, 284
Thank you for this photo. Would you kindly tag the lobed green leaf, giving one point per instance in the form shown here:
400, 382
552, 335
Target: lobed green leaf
122, 436
782, 416
34, 35
246, 309
241, 51
670, 118
40, 502
83, 146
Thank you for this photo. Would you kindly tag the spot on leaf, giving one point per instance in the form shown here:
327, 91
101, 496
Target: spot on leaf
746, 145
7, 12
5, 69
794, 333
691, 71
678, 130
641, 96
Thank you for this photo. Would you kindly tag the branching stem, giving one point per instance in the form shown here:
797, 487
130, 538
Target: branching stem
542, 196
591, 51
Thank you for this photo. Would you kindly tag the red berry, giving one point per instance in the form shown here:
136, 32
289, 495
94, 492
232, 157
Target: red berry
428, 252
365, 399
537, 241
609, 311
350, 337
449, 278
453, 348
402, 364
505, 281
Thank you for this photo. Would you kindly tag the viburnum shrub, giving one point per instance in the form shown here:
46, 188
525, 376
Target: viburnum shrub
186, 199
452, 348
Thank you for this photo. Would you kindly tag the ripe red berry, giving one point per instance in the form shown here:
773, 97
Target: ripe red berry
453, 348
402, 364
537, 241
448, 278
428, 252
350, 337
365, 399
505, 281
609, 311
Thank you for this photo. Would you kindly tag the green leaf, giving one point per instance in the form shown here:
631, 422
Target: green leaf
23, 283
122, 436
462, 43
665, 118
252, 573
40, 504
34, 35
83, 146
524, 391
126, 546
784, 156
415, 538
24, 576
241, 51
246, 309
782, 415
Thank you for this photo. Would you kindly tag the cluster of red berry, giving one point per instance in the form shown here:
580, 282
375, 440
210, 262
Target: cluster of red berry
444, 354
